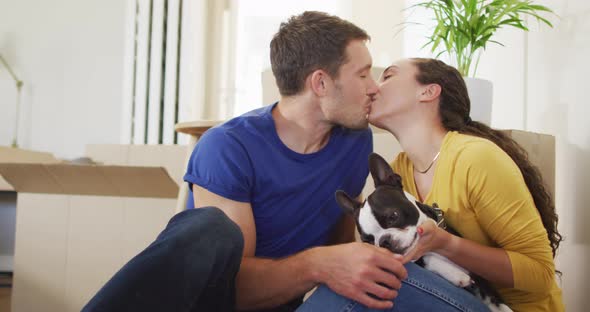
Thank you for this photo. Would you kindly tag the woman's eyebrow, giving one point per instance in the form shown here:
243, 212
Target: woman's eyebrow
391, 68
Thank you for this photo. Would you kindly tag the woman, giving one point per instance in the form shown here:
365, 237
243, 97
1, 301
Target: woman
479, 177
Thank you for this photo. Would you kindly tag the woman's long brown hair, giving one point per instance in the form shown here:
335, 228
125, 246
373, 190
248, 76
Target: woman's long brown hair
454, 112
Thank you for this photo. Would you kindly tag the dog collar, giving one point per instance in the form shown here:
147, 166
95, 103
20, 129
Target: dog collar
440, 217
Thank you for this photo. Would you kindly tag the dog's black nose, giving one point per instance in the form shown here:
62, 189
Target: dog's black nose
385, 241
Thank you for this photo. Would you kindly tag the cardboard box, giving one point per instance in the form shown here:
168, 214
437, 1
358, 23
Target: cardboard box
77, 224
8, 202
541, 152
15, 155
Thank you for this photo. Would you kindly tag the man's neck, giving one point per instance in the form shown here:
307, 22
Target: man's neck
300, 124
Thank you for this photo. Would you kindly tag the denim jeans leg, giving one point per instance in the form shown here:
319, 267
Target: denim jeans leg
421, 291
192, 263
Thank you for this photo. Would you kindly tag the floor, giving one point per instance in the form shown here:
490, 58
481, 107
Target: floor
5, 290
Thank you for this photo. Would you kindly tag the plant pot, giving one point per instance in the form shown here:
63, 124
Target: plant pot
480, 94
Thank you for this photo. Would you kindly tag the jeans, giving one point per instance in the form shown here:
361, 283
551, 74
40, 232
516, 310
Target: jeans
421, 291
191, 266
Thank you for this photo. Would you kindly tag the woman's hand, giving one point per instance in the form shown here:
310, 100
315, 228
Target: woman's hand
432, 238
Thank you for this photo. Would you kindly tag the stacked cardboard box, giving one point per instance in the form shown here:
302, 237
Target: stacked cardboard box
77, 224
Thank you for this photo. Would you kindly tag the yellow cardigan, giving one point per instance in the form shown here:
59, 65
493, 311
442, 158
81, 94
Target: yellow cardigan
485, 198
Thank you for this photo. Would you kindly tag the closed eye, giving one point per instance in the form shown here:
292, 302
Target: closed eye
389, 72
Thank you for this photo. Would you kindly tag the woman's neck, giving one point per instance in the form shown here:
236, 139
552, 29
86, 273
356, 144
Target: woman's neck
421, 140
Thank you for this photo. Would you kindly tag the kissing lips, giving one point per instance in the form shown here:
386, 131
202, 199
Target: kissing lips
368, 111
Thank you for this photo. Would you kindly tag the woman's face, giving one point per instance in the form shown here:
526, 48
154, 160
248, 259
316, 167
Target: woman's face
398, 92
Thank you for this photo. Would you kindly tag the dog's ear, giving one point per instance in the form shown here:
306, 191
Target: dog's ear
428, 211
347, 204
382, 173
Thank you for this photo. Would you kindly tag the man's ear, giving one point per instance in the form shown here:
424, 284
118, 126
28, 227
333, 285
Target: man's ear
347, 204
430, 92
318, 81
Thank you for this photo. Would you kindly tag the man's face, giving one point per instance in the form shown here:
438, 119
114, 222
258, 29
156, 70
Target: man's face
349, 101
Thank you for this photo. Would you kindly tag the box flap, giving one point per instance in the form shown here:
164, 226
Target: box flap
17, 155
5, 186
171, 157
90, 180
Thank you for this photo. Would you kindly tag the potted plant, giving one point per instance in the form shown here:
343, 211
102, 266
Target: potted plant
464, 28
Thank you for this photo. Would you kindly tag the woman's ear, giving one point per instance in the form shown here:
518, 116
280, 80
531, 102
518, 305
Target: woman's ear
430, 92
318, 82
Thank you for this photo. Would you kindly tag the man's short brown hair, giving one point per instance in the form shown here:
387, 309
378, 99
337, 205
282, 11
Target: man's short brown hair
307, 42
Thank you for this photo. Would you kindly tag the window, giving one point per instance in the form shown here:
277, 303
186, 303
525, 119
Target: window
256, 22
188, 60
151, 98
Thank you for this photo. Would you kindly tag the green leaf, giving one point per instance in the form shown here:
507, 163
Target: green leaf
464, 27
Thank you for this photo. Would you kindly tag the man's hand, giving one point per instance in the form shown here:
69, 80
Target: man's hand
356, 270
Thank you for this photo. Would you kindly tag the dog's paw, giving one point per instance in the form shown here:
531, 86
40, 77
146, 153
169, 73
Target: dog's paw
498, 307
492, 304
460, 279
453, 273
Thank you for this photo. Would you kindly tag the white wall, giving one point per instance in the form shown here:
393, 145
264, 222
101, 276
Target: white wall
557, 103
70, 56
382, 25
540, 84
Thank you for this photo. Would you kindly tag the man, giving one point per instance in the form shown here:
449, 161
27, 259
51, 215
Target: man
274, 171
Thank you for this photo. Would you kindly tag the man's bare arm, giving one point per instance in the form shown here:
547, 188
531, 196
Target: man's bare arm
351, 270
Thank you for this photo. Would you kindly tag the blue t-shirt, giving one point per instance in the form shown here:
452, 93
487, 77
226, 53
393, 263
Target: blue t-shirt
291, 194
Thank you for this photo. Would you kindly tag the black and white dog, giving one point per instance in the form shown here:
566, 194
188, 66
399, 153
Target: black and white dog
390, 218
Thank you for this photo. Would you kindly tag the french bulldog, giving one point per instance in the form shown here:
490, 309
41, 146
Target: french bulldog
390, 218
